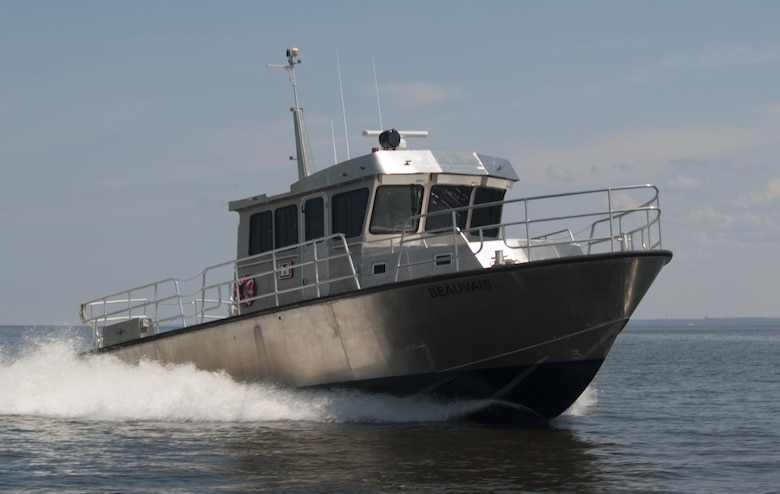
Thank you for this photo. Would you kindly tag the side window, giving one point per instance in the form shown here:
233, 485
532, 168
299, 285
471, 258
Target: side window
446, 198
349, 211
488, 215
392, 205
286, 226
314, 218
260, 233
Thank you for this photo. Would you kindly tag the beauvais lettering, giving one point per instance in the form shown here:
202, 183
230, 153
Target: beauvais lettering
464, 287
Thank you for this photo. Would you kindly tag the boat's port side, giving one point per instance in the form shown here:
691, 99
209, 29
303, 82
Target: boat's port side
440, 242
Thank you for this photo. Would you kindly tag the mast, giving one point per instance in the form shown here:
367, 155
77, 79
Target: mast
302, 147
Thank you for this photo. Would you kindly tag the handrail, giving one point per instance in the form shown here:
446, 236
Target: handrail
612, 218
163, 302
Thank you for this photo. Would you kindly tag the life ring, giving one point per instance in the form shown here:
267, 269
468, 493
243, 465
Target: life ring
244, 290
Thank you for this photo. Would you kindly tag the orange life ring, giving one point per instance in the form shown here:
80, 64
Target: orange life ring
244, 290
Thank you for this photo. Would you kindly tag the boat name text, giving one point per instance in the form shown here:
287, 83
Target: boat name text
461, 288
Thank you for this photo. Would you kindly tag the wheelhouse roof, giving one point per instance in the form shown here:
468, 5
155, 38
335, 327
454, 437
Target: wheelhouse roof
391, 162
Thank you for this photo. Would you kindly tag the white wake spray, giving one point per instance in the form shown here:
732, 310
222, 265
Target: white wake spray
584, 403
50, 379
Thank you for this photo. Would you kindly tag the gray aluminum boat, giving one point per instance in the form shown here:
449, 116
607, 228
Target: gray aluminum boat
406, 272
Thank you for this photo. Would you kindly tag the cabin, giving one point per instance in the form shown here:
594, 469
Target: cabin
367, 211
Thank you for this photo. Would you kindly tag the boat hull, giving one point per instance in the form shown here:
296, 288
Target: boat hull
525, 391
532, 334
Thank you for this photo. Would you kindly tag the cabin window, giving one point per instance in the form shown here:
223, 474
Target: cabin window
349, 211
487, 215
286, 226
314, 218
393, 204
445, 198
261, 233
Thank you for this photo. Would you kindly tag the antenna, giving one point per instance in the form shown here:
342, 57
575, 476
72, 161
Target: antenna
333, 137
302, 147
376, 87
343, 109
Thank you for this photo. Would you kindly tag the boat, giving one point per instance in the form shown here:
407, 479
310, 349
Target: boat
407, 272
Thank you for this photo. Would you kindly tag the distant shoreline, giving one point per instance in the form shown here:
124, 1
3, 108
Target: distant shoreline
709, 321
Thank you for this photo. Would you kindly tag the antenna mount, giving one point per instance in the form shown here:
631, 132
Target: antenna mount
302, 147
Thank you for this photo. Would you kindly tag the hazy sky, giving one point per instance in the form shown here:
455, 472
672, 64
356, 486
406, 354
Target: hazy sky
126, 127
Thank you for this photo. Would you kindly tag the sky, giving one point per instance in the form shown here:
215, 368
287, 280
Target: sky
127, 127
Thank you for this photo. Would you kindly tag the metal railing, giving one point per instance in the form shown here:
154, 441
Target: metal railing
214, 293
612, 219
579, 223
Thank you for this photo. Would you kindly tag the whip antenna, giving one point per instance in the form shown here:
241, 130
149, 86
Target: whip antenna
333, 137
376, 87
343, 109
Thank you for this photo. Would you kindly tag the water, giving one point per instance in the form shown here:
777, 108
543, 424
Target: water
676, 408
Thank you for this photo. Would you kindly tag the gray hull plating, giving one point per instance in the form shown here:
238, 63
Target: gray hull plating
517, 318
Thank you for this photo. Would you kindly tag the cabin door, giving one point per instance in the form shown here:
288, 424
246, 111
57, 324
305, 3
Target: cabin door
315, 269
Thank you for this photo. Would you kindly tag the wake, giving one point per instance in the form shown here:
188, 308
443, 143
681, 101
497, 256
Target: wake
50, 379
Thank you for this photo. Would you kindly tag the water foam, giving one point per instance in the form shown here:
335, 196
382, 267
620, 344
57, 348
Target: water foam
584, 404
51, 379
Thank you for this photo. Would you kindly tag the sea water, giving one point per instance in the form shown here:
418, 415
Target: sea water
679, 406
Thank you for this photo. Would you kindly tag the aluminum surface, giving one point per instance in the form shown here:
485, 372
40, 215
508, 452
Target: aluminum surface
512, 317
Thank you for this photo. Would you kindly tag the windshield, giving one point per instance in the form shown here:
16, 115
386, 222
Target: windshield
392, 205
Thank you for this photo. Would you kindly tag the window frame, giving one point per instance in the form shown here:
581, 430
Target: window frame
351, 206
442, 221
387, 207
261, 232
484, 216
286, 226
